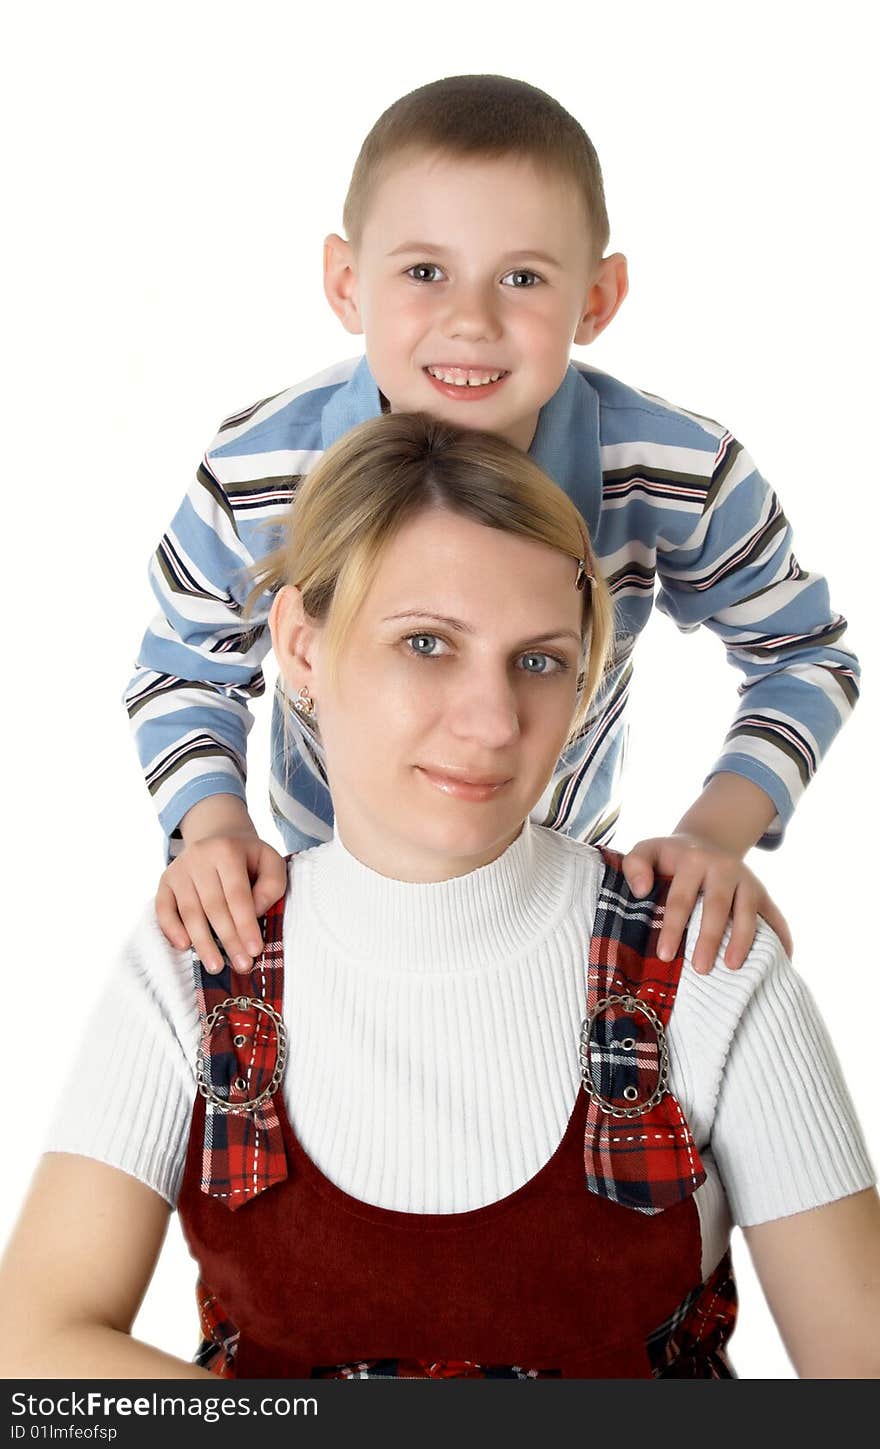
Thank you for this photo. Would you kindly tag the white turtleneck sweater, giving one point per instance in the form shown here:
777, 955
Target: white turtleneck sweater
434, 1046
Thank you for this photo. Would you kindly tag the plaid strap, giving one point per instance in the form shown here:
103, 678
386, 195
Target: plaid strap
692, 1343
219, 1340
241, 1063
638, 1148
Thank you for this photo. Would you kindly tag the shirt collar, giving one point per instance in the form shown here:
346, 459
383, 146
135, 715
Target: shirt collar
355, 402
565, 445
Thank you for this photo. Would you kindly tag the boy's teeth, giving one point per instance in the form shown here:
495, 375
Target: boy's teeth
464, 376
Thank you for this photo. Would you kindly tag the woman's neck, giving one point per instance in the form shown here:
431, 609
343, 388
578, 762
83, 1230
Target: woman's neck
415, 863
482, 916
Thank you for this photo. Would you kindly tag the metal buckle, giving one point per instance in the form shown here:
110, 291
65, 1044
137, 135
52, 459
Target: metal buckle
629, 1003
204, 1086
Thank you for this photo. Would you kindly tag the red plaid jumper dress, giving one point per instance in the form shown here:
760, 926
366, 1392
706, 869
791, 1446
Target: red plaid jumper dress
591, 1269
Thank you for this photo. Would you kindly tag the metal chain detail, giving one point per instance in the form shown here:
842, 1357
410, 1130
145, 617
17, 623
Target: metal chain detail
629, 1003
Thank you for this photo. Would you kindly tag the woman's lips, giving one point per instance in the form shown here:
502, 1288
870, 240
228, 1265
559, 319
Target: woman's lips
462, 789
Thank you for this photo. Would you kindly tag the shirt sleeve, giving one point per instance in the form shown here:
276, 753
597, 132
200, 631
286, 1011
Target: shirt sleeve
785, 1135
737, 574
129, 1095
199, 663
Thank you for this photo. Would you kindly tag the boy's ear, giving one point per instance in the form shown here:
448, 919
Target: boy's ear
340, 282
294, 638
609, 287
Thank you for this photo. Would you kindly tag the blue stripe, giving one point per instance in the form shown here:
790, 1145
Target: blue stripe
298, 425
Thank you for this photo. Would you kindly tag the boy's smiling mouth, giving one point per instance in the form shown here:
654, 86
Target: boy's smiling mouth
465, 382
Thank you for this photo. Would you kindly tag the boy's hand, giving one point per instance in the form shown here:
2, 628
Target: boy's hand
226, 878
729, 888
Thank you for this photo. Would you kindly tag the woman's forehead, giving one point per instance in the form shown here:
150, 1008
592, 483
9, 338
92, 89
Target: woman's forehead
448, 564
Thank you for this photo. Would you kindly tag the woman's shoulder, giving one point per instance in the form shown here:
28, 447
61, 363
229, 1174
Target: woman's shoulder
714, 1010
161, 978
766, 958
582, 861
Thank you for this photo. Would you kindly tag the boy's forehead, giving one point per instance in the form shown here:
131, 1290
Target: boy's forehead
433, 197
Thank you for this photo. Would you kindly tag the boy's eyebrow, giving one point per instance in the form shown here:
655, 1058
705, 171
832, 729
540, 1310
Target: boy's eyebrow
463, 628
518, 253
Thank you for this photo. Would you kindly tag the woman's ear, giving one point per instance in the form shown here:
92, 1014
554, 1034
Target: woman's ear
340, 282
294, 639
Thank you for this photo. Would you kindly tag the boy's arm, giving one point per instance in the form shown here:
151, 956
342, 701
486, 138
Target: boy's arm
200, 661
736, 573
704, 856
199, 666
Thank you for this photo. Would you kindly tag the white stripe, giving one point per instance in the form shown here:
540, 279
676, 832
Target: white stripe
631, 552
164, 706
657, 457
274, 464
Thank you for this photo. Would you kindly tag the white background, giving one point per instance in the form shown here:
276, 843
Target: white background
173, 170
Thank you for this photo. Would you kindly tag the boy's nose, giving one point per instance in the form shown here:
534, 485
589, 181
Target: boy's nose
471, 315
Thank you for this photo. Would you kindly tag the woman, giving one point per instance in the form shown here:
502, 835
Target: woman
390, 1167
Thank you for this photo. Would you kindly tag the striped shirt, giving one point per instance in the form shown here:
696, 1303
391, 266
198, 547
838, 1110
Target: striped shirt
675, 506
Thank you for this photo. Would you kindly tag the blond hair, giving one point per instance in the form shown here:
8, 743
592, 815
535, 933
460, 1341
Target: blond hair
387, 470
481, 116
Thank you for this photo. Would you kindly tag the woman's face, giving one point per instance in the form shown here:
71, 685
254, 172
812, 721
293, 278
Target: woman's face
453, 697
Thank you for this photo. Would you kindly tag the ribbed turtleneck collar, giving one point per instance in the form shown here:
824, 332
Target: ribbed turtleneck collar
485, 916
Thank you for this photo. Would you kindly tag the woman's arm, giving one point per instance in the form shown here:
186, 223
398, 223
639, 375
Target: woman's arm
75, 1272
820, 1272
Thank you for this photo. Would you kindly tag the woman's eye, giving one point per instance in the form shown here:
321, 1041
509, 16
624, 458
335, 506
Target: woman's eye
523, 279
535, 663
419, 271
425, 645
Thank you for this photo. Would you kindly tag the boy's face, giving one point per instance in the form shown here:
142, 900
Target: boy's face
471, 269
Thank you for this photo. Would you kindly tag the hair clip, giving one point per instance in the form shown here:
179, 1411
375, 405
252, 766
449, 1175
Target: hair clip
583, 578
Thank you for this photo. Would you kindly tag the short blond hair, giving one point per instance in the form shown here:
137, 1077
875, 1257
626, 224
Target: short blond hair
386, 471
490, 116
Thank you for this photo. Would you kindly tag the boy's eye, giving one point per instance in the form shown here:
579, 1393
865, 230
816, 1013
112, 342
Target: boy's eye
424, 645
522, 279
418, 272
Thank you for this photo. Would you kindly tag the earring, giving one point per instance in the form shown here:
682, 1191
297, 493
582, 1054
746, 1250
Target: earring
304, 704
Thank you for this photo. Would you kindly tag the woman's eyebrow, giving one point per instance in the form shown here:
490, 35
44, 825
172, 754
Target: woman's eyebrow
464, 628
429, 614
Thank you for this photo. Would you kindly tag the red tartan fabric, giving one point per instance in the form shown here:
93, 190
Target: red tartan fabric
219, 1335
692, 1343
243, 1151
647, 1160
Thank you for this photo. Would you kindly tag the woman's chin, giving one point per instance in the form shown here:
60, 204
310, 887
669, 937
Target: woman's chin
457, 846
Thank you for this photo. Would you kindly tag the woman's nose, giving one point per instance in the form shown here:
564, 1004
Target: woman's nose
485, 710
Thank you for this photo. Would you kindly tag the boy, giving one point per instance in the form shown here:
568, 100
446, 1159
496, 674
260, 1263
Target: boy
475, 257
